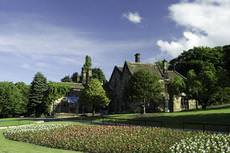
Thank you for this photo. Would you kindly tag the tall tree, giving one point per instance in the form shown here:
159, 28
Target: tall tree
196, 57
66, 79
24, 90
86, 70
11, 100
38, 95
143, 87
94, 95
221, 96
227, 57
227, 64
97, 73
194, 86
75, 77
202, 86
207, 70
88, 62
177, 86
208, 79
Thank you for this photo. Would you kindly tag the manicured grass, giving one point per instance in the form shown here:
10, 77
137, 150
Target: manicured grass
14, 122
9, 146
219, 117
176, 119
225, 111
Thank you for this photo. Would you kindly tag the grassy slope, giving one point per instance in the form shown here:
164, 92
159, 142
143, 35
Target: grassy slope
218, 116
8, 146
175, 114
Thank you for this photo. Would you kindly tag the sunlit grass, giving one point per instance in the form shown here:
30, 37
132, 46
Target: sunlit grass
9, 146
14, 122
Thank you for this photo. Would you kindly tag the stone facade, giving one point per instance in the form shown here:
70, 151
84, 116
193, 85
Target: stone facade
68, 103
121, 75
182, 104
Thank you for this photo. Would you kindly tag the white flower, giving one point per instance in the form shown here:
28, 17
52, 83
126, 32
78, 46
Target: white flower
205, 143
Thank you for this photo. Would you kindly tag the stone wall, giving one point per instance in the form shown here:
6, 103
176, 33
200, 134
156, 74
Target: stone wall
192, 104
177, 104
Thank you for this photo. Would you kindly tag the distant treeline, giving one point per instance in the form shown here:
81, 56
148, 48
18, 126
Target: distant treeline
13, 98
35, 99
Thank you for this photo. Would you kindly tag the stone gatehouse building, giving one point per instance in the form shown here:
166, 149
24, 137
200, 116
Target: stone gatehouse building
70, 102
121, 75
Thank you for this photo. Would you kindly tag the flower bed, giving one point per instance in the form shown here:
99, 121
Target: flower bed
203, 143
102, 139
33, 128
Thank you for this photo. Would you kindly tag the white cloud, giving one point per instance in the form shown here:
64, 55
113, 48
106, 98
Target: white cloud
34, 45
39, 39
133, 17
25, 66
206, 23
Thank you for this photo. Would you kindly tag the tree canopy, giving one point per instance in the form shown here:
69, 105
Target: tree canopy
143, 87
207, 72
75, 78
66, 79
12, 99
38, 95
97, 73
227, 63
196, 57
177, 86
94, 95
88, 62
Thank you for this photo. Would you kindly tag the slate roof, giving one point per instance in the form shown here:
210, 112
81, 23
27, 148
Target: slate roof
155, 69
120, 68
135, 67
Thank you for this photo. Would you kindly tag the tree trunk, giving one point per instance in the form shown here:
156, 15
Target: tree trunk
83, 110
196, 100
143, 107
93, 112
204, 106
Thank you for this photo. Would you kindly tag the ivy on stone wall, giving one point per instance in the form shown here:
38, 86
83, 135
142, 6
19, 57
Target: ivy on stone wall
57, 90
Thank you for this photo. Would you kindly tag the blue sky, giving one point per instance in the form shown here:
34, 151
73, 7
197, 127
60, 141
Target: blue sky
54, 36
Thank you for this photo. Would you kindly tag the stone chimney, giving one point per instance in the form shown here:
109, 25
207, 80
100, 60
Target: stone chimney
137, 58
165, 66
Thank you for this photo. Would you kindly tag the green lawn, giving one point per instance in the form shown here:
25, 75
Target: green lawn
14, 122
9, 146
170, 120
206, 113
176, 119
